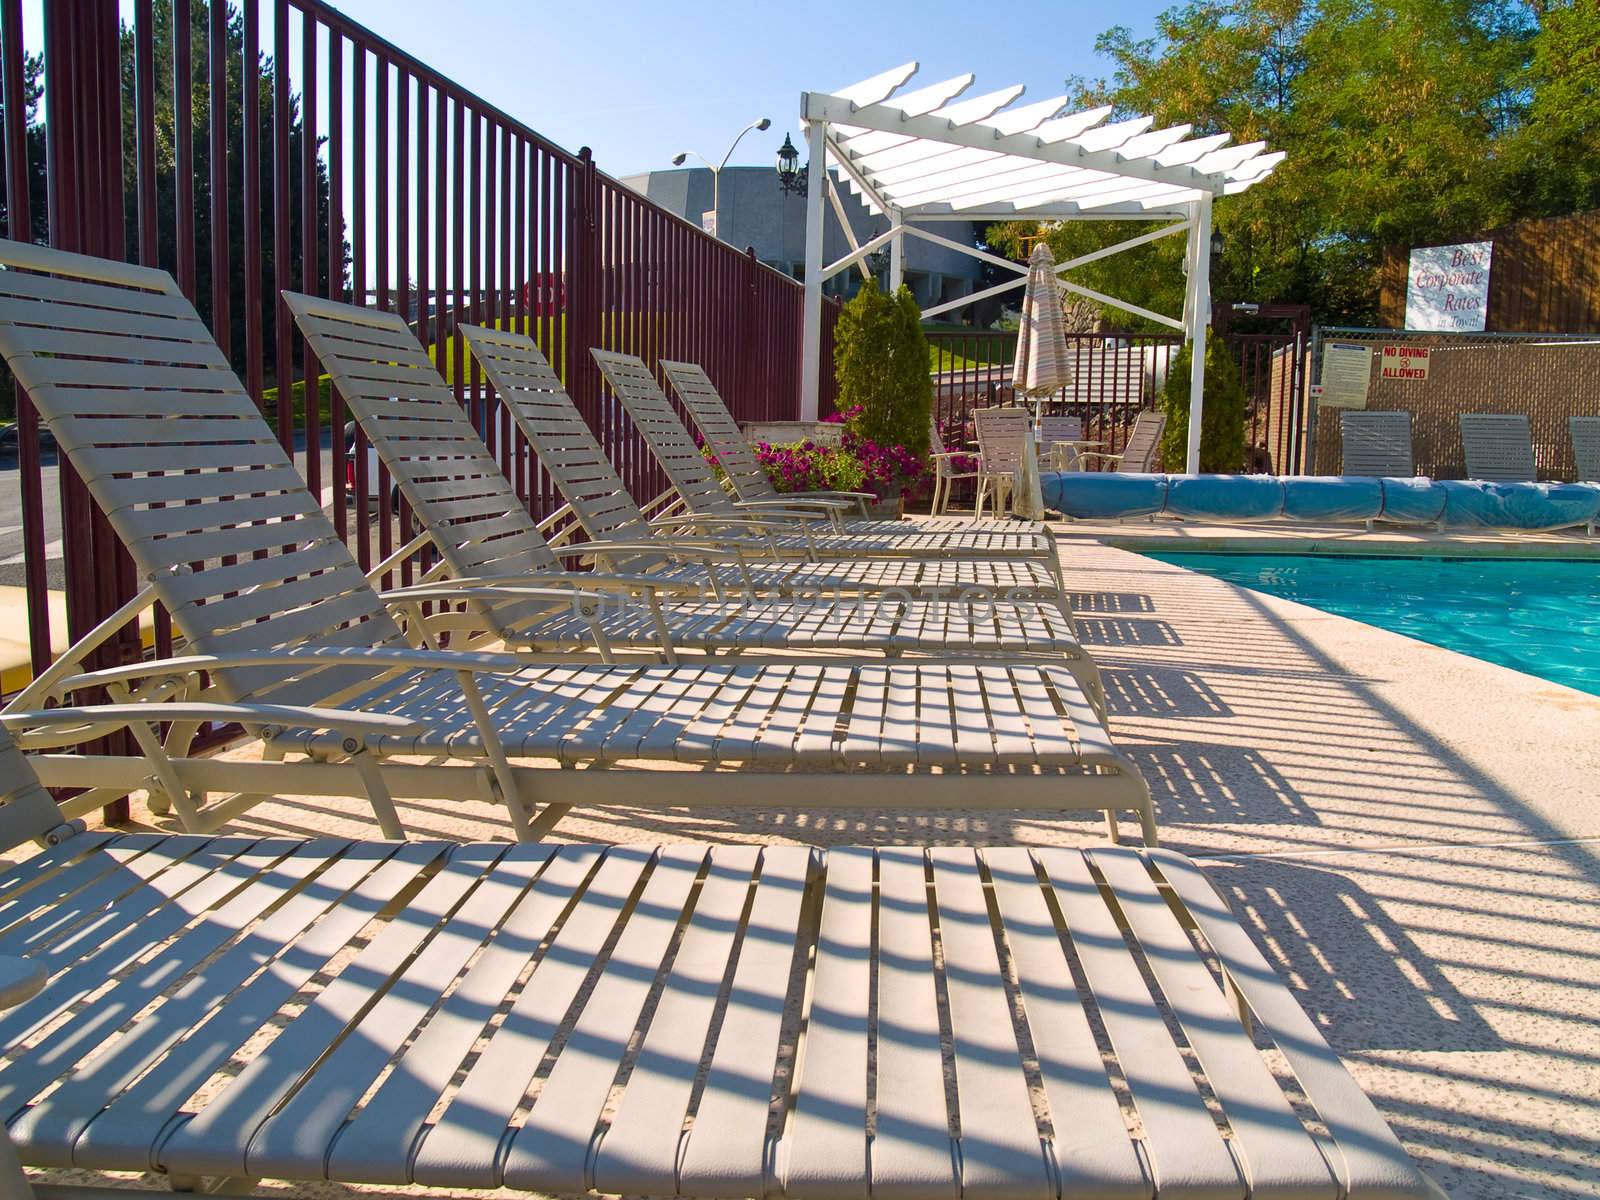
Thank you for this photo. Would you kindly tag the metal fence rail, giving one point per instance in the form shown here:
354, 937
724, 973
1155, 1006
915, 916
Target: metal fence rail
324, 158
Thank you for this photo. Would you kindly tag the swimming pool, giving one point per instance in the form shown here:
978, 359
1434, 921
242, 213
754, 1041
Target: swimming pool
1539, 616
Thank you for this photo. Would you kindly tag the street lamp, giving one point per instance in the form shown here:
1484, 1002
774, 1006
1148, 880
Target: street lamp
716, 172
791, 175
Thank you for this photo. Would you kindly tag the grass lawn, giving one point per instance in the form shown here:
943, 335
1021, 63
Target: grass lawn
968, 347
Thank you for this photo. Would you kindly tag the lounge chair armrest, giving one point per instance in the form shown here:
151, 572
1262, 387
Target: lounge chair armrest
447, 590
830, 494
754, 524
383, 658
806, 508
697, 549
292, 716
20, 981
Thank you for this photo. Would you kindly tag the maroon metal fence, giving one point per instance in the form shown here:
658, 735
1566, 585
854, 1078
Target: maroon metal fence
328, 159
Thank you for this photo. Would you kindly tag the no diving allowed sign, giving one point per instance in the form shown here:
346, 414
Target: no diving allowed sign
1404, 362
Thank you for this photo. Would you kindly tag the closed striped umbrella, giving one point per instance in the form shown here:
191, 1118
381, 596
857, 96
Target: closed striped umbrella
1042, 364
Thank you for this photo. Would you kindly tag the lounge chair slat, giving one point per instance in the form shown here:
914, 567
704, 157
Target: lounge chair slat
272, 872
462, 1148
552, 1151
292, 1142
1089, 1142
135, 1122
1277, 1154
824, 1150
378, 1143
1369, 1158
999, 1136
218, 1141
1185, 1147
641, 1142
62, 1116
912, 1151
727, 1146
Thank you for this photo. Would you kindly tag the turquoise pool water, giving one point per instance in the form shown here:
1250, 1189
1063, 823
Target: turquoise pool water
1540, 616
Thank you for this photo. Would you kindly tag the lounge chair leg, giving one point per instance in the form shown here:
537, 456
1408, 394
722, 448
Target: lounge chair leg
547, 819
1147, 821
1111, 827
13, 1179
378, 795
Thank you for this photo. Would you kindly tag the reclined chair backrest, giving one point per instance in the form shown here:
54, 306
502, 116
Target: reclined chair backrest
1377, 444
696, 483
1002, 439
1498, 447
1586, 447
435, 454
144, 405
721, 432
559, 435
1059, 429
1143, 449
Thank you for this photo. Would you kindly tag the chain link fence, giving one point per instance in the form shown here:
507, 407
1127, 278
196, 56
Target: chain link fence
1438, 376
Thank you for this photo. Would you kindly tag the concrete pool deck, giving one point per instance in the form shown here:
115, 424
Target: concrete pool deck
1411, 836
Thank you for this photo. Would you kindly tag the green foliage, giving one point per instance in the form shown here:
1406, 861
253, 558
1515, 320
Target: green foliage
1405, 122
1221, 421
881, 357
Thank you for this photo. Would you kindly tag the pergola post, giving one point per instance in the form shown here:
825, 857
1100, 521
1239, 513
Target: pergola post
811, 337
1197, 316
897, 251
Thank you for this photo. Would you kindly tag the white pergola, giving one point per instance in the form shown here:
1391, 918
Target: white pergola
935, 154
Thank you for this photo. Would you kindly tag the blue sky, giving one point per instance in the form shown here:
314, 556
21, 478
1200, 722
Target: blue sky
639, 81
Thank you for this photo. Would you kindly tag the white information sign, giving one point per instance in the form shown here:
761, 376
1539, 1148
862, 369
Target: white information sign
1346, 375
1448, 287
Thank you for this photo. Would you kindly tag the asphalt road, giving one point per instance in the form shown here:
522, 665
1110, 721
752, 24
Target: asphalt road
11, 559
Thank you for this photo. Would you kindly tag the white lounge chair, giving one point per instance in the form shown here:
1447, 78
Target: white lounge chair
703, 494
750, 483
171, 447
944, 468
1498, 447
473, 517
1585, 433
1141, 453
1376, 444
599, 501
1060, 441
572, 1019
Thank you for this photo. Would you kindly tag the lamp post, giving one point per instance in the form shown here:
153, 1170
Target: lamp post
791, 175
716, 172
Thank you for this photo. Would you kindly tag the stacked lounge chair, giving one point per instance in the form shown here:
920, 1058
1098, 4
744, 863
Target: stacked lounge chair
173, 449
485, 536
1498, 447
599, 501
753, 488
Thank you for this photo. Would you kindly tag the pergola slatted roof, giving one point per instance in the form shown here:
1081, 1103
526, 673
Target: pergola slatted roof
936, 153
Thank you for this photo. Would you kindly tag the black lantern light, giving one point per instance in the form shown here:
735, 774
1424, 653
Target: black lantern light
791, 175
1217, 244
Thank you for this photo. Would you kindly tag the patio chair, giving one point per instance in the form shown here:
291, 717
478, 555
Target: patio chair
1002, 442
703, 495
172, 448
1141, 452
599, 502
1376, 444
1059, 440
577, 1018
944, 467
485, 536
751, 484
1498, 447
1586, 451
1585, 433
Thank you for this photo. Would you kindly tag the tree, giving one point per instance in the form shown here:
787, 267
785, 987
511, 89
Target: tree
1405, 122
166, 167
1221, 417
880, 357
38, 197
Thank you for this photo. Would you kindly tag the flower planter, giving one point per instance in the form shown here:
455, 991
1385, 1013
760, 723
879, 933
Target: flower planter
890, 508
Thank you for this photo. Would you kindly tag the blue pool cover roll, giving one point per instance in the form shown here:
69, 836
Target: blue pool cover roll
1412, 501
1332, 498
1103, 495
1477, 504
1225, 497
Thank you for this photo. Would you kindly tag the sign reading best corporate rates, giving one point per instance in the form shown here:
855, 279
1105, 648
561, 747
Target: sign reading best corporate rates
1448, 287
